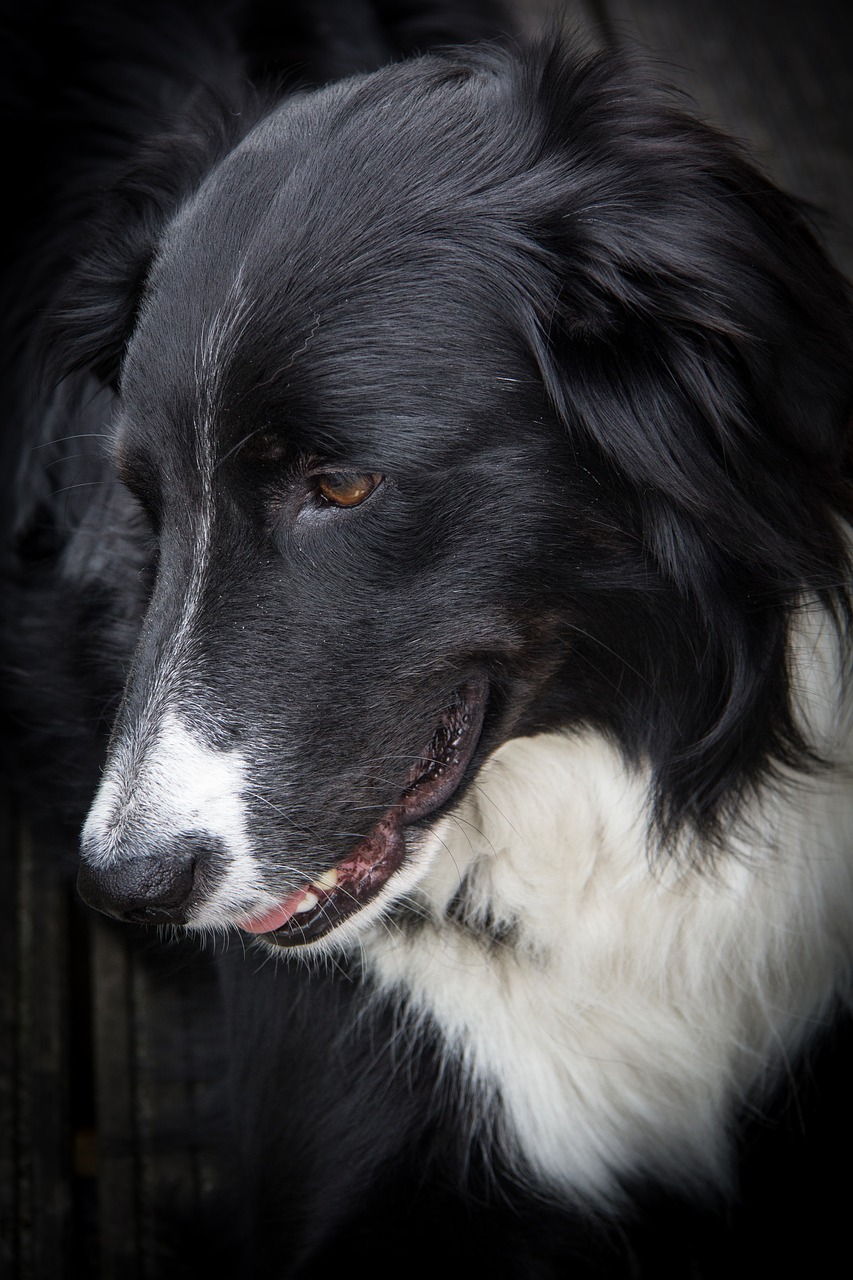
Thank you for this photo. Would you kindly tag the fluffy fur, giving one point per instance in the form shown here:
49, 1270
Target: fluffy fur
561, 700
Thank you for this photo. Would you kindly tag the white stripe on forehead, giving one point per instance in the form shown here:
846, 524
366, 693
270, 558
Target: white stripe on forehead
220, 333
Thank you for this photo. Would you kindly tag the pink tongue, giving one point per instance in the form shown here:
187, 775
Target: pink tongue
277, 916
368, 866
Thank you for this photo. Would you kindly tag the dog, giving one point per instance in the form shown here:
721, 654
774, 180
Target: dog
459, 551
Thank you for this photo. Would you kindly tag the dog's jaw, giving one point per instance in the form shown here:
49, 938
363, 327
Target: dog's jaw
365, 876
315, 909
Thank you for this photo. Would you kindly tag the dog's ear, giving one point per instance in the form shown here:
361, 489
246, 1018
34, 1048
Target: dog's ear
698, 332
95, 309
96, 306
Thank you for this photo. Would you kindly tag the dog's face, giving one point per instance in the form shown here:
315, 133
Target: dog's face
349, 468
432, 431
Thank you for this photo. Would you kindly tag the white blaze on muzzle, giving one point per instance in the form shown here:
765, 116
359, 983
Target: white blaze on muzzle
167, 788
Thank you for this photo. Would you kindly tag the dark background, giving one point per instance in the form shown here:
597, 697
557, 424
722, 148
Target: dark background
108, 1037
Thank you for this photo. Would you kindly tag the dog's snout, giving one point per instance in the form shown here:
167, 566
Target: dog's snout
151, 888
168, 824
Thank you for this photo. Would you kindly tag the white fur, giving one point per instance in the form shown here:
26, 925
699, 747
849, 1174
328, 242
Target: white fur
632, 1002
169, 785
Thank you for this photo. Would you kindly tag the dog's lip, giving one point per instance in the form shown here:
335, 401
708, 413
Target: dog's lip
320, 905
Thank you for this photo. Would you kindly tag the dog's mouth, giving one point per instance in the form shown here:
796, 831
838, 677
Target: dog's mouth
321, 905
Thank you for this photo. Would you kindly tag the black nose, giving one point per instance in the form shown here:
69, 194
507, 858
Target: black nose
153, 888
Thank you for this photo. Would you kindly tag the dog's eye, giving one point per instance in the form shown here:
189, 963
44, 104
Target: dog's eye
346, 489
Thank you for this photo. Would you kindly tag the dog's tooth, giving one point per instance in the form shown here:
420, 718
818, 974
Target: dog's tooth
309, 901
328, 880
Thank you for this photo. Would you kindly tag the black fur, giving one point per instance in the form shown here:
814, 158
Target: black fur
610, 373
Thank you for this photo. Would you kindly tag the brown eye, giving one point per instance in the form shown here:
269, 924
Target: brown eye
346, 489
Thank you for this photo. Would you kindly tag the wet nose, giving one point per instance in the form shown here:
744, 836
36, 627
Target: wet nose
148, 888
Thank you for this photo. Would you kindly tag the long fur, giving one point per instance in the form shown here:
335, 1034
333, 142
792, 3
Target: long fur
600, 375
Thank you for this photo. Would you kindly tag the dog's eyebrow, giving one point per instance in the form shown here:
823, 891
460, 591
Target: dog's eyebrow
270, 443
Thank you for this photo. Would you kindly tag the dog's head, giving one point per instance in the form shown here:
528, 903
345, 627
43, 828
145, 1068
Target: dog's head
476, 397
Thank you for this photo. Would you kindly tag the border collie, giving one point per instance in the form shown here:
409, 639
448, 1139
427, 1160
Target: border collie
460, 500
